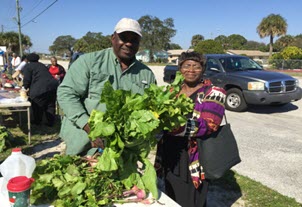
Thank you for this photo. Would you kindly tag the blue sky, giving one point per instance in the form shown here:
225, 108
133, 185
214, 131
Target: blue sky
209, 18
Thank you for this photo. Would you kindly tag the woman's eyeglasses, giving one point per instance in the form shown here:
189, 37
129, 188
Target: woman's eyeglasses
192, 67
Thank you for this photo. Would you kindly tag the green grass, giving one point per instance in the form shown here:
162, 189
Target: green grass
288, 72
251, 193
293, 74
20, 135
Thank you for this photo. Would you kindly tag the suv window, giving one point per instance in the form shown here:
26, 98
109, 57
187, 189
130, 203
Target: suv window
239, 63
212, 63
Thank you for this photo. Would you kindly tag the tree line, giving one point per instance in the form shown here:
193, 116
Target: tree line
157, 35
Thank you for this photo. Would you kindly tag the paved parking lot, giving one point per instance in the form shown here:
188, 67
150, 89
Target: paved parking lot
270, 143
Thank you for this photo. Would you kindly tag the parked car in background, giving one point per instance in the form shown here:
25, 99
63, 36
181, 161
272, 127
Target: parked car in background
246, 82
169, 73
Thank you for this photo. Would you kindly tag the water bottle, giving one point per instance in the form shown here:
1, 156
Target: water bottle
16, 164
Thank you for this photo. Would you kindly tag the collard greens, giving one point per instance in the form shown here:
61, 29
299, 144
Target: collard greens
130, 125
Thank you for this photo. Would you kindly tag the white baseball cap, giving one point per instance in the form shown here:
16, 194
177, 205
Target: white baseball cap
126, 24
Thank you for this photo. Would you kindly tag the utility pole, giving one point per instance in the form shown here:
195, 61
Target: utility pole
19, 27
2, 28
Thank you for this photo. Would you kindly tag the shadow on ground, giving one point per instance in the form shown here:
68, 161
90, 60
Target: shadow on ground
46, 149
273, 109
225, 192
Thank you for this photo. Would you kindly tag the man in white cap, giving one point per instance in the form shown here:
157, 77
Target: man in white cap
80, 91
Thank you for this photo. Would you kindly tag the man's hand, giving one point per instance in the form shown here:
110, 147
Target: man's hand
97, 143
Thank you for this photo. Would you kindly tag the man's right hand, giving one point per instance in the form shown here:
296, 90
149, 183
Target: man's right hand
97, 143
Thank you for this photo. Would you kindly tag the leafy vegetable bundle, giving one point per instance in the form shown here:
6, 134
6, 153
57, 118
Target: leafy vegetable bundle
129, 127
5, 138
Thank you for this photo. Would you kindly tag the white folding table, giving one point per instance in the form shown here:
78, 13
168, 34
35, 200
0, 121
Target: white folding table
16, 107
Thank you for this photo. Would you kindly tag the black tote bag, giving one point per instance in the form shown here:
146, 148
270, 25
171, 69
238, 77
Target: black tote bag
218, 152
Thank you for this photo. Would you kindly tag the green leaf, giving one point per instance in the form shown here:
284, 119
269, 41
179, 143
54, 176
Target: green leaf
78, 188
103, 201
132, 179
141, 122
149, 178
46, 178
64, 191
58, 183
102, 129
5, 138
70, 178
107, 161
73, 170
95, 117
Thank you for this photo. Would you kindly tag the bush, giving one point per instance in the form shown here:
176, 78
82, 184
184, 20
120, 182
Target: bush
288, 58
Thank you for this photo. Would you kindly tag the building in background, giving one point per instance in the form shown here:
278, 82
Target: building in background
257, 55
174, 55
159, 56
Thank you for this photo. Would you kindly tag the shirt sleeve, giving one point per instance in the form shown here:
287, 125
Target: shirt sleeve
62, 72
21, 66
72, 92
16, 62
209, 111
27, 73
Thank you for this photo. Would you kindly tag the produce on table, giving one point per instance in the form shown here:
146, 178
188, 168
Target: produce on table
129, 127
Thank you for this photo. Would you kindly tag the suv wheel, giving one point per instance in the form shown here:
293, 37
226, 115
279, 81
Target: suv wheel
235, 101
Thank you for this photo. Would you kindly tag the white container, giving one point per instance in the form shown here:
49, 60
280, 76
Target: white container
17, 164
23, 94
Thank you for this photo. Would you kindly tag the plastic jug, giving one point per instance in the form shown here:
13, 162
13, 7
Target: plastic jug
17, 164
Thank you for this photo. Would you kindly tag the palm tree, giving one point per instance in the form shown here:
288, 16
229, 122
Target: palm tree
273, 25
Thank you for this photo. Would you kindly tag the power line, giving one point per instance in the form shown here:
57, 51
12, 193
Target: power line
32, 9
40, 13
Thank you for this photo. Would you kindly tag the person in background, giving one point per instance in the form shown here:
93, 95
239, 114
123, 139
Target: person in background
42, 90
57, 71
18, 76
8, 64
81, 89
177, 154
14, 62
74, 57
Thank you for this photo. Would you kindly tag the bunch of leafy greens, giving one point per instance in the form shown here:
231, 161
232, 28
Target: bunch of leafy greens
5, 138
129, 127
65, 181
